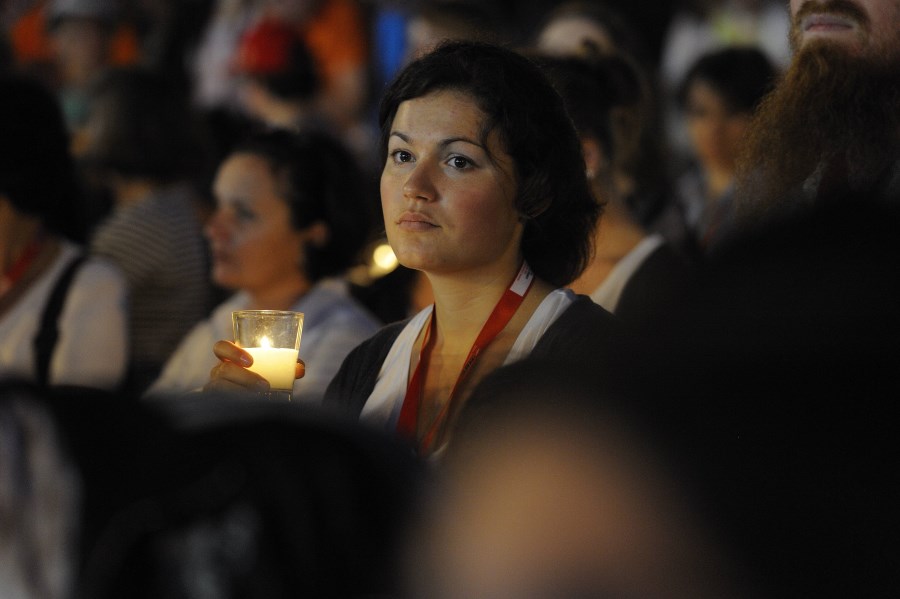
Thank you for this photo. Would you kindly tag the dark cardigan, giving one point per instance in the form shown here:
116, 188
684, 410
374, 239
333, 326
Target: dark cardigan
581, 334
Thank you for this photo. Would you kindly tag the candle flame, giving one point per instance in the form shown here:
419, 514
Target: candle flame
264, 342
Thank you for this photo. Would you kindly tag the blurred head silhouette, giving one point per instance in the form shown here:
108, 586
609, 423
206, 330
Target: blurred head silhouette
547, 491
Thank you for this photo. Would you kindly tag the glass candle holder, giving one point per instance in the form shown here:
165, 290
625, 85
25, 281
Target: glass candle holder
272, 338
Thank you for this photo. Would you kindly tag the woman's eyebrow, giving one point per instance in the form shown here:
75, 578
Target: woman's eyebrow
444, 142
450, 140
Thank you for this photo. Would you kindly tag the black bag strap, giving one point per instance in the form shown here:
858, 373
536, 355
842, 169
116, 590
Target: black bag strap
48, 333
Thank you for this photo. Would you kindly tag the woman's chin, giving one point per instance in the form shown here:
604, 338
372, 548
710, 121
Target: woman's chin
225, 280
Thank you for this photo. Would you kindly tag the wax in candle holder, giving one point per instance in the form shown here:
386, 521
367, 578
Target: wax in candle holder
272, 338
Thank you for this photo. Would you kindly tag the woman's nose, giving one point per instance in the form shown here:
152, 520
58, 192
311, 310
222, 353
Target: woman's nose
215, 228
419, 184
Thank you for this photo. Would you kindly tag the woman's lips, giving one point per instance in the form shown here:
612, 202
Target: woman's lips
415, 221
220, 257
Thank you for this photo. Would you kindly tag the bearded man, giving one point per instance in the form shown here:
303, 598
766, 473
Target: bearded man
791, 332
832, 125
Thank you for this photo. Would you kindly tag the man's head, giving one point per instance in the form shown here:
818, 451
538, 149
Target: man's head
831, 126
863, 27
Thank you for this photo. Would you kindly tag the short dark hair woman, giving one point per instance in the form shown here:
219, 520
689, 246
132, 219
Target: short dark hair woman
483, 189
292, 215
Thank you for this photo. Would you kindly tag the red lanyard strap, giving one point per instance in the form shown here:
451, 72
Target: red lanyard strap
503, 312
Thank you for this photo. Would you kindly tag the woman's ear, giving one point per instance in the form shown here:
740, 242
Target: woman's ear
595, 161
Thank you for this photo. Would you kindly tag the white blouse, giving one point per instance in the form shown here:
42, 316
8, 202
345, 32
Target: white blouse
92, 349
382, 409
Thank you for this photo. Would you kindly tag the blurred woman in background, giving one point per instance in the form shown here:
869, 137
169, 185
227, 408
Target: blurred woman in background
292, 216
631, 269
717, 97
63, 318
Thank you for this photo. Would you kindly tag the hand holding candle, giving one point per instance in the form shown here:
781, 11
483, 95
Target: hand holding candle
272, 338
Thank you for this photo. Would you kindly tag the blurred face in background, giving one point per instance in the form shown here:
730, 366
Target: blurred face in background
715, 129
539, 509
864, 27
567, 36
291, 11
80, 49
423, 35
252, 242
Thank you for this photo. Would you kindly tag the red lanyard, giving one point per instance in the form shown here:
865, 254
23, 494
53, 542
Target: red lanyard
20, 266
499, 318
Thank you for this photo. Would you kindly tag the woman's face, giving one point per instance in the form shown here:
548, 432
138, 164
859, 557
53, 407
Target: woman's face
716, 131
447, 196
567, 36
252, 242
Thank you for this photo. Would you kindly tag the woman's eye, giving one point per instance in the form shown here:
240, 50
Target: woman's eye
244, 213
401, 156
459, 162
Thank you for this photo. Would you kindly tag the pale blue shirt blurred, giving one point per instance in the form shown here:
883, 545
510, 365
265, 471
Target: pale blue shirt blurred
333, 324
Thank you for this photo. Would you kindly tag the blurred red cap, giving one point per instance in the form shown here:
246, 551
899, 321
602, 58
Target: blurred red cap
265, 48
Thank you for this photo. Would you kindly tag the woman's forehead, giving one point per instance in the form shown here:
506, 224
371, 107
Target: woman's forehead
448, 112
444, 107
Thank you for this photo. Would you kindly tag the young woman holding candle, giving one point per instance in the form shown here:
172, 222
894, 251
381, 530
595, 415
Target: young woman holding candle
484, 190
292, 216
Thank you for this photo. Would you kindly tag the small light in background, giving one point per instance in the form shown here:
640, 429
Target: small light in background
379, 260
383, 260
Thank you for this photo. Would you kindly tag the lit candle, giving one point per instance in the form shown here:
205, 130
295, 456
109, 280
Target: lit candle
275, 364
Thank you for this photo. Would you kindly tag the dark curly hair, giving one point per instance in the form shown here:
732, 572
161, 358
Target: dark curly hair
519, 103
322, 181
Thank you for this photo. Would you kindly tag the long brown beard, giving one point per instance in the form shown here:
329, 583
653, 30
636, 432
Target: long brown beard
834, 117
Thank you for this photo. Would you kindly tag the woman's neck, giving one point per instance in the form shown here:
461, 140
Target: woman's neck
616, 235
128, 191
464, 304
279, 297
718, 180
26, 252
15, 239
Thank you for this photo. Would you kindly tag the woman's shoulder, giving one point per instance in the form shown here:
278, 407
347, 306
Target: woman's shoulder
584, 331
583, 311
166, 214
94, 274
356, 377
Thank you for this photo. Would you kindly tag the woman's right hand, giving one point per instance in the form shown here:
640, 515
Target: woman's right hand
231, 373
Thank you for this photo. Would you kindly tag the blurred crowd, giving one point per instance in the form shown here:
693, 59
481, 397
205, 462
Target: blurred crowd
155, 95
695, 400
